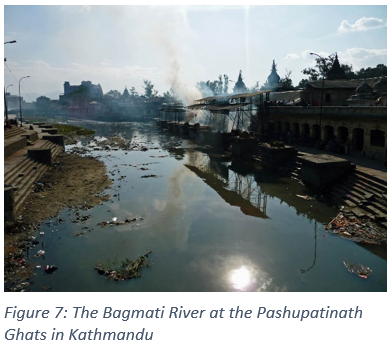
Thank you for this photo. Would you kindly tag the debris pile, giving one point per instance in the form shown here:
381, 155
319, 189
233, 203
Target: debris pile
126, 270
114, 222
358, 230
16, 268
359, 269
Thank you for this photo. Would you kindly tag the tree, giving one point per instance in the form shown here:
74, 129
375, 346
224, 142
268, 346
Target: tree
348, 70
316, 72
378, 71
302, 83
204, 88
113, 95
216, 87
255, 87
322, 67
169, 95
133, 92
226, 85
149, 91
312, 73
287, 83
219, 88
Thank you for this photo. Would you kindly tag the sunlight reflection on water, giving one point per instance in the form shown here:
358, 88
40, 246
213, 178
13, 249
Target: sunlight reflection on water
241, 278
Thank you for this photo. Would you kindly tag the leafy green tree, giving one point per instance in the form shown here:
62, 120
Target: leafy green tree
323, 66
169, 95
348, 70
314, 74
255, 87
149, 91
133, 92
226, 84
302, 83
113, 95
378, 71
216, 87
287, 83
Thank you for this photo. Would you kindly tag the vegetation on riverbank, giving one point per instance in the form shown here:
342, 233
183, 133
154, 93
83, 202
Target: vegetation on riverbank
67, 129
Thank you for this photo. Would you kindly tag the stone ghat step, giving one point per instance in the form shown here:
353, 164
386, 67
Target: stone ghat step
381, 208
22, 193
23, 163
371, 178
365, 187
28, 165
9, 133
377, 214
28, 182
367, 193
26, 170
10, 168
14, 144
357, 189
360, 196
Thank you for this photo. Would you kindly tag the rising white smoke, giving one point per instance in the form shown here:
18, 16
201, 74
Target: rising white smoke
171, 34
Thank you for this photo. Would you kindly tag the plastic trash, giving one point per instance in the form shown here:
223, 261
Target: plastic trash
50, 268
359, 269
39, 253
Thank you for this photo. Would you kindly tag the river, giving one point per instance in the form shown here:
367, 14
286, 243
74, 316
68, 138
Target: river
211, 226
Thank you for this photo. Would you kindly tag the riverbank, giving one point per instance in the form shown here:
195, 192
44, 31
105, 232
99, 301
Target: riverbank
73, 181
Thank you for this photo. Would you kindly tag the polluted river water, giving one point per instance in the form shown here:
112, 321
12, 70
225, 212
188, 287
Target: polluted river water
210, 226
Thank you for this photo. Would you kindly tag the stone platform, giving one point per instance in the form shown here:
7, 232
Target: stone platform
320, 170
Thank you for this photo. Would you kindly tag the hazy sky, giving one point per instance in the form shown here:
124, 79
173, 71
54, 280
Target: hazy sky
119, 46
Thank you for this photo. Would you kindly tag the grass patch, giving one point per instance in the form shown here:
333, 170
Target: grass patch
67, 129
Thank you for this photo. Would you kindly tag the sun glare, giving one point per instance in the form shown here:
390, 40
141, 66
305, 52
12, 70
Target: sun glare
240, 278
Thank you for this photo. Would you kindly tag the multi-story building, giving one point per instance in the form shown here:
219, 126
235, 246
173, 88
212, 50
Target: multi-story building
92, 92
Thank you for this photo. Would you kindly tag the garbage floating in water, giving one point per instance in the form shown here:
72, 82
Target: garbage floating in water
114, 222
359, 269
50, 268
39, 253
350, 227
306, 197
126, 270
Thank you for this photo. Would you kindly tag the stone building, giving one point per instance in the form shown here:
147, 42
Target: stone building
93, 91
338, 111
